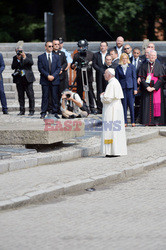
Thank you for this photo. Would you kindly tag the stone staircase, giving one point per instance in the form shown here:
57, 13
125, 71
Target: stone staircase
8, 51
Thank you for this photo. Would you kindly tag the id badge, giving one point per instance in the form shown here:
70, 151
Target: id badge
148, 79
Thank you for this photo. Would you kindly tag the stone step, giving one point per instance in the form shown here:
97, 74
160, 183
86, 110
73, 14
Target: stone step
8, 79
13, 94
8, 68
12, 87
11, 54
39, 48
8, 61
9, 87
13, 105
10, 94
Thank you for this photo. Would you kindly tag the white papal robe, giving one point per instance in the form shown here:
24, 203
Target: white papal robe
113, 140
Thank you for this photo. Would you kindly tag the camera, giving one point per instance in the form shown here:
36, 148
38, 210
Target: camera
19, 52
81, 62
68, 95
17, 72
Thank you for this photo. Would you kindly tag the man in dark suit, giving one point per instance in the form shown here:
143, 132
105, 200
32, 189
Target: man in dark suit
2, 93
63, 62
159, 57
98, 63
150, 47
62, 75
107, 64
49, 68
24, 78
115, 60
128, 50
136, 60
119, 45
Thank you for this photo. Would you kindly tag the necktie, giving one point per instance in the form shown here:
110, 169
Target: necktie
135, 62
49, 63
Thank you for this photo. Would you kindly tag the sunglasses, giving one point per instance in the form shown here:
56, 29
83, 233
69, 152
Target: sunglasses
50, 46
126, 48
56, 44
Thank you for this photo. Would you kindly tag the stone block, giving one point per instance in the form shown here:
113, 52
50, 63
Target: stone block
4, 167
37, 131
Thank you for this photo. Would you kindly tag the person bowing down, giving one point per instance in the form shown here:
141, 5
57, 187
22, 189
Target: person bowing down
113, 140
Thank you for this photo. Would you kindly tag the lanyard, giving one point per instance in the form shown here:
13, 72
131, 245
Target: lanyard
152, 67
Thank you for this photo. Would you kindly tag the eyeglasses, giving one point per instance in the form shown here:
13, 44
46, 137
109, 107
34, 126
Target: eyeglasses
56, 44
126, 48
50, 46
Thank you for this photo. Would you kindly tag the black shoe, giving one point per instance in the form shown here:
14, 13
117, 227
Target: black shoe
42, 116
93, 111
59, 112
112, 156
99, 111
72, 116
5, 112
31, 113
21, 113
64, 117
57, 116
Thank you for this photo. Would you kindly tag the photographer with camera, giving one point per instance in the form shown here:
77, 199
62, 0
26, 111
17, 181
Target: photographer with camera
72, 106
82, 62
23, 77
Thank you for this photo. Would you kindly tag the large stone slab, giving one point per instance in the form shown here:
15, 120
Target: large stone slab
24, 131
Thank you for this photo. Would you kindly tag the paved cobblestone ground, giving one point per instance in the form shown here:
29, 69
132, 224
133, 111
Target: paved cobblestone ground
20, 182
123, 216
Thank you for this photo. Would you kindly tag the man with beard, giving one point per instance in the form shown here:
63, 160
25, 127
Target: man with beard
119, 45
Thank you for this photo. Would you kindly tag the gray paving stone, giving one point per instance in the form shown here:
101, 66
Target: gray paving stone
4, 155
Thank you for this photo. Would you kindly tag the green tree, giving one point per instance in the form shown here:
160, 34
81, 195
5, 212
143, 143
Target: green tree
117, 15
132, 18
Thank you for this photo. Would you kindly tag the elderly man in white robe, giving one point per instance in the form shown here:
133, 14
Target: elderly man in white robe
113, 141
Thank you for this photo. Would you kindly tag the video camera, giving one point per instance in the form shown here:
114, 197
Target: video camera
83, 47
17, 72
81, 63
19, 52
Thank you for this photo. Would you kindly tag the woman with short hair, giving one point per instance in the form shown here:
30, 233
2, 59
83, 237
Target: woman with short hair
126, 74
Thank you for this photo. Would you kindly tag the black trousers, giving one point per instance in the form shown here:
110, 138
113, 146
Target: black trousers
53, 90
24, 87
63, 85
80, 89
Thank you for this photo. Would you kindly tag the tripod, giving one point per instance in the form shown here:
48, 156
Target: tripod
85, 84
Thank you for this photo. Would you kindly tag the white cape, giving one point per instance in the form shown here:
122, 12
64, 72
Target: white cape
113, 141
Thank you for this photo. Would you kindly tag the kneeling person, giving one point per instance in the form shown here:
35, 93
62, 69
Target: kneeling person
72, 106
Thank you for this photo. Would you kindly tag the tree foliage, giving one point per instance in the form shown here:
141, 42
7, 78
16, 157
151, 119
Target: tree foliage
132, 18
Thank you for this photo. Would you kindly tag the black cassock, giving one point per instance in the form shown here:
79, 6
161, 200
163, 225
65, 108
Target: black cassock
147, 116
